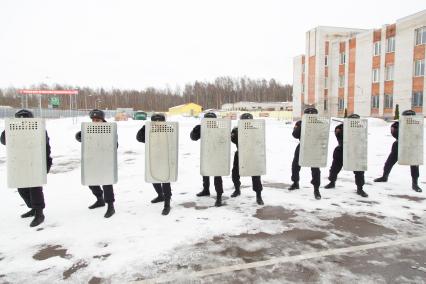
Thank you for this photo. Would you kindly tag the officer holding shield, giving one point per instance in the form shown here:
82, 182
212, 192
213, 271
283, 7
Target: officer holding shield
295, 167
164, 190
256, 181
105, 193
393, 158
218, 183
32, 196
337, 164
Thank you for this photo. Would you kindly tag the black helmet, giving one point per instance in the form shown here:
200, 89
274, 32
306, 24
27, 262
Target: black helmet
158, 117
97, 113
210, 115
311, 110
246, 116
24, 113
408, 112
354, 115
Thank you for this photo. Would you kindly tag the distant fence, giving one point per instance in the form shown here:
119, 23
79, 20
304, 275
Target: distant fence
52, 113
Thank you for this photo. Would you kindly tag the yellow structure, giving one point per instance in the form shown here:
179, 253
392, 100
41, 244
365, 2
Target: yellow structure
190, 109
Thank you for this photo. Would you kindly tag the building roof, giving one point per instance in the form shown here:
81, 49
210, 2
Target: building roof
179, 106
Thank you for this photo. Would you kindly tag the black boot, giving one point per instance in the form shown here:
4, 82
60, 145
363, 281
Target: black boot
415, 186
317, 193
236, 192
30, 213
99, 203
259, 198
361, 192
38, 218
204, 192
159, 198
381, 179
294, 186
110, 210
332, 184
166, 209
218, 202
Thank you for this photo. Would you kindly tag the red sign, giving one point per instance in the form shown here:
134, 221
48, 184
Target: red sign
48, 92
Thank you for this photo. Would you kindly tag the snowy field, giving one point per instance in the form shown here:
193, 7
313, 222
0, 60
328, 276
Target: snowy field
79, 245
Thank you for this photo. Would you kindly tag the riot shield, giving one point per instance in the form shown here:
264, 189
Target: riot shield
26, 152
98, 153
314, 141
410, 140
251, 147
161, 151
355, 144
215, 147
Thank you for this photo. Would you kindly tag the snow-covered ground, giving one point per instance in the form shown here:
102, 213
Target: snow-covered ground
79, 245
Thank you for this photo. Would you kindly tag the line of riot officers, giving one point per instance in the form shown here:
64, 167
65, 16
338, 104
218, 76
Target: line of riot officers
100, 143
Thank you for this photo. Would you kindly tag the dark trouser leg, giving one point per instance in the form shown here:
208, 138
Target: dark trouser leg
236, 173
359, 179
295, 168
206, 183
108, 193
97, 191
257, 184
218, 185
158, 189
25, 194
167, 191
414, 173
37, 197
337, 164
316, 177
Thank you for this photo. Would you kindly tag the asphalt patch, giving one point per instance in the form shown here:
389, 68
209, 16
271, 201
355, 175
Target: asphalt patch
51, 251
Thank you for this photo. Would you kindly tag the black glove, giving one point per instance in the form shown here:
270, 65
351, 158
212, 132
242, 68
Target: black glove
195, 133
78, 136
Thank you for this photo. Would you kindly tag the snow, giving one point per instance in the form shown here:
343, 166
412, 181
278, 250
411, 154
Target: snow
138, 235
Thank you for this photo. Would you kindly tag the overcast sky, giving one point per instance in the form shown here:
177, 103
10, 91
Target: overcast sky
141, 43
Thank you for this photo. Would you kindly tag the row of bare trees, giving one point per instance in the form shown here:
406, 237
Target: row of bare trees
207, 94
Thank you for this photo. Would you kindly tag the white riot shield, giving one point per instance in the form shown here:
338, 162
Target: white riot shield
98, 153
314, 141
161, 151
410, 140
26, 152
355, 144
215, 154
251, 147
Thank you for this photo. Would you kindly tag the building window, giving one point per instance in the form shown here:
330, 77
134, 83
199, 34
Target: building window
342, 59
388, 101
389, 73
325, 104
303, 88
340, 104
419, 68
417, 99
326, 60
421, 35
376, 48
303, 68
341, 81
375, 101
376, 75
390, 44
325, 82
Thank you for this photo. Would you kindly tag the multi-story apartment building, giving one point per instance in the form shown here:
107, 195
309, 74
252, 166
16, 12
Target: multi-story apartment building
366, 72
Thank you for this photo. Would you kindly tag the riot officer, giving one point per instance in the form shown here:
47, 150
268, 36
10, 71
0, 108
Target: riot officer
164, 190
105, 193
256, 181
393, 158
295, 168
218, 183
337, 164
32, 196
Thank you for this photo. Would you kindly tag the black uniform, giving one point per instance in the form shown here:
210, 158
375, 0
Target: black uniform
33, 196
295, 167
337, 164
393, 158
162, 189
218, 183
256, 181
104, 192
